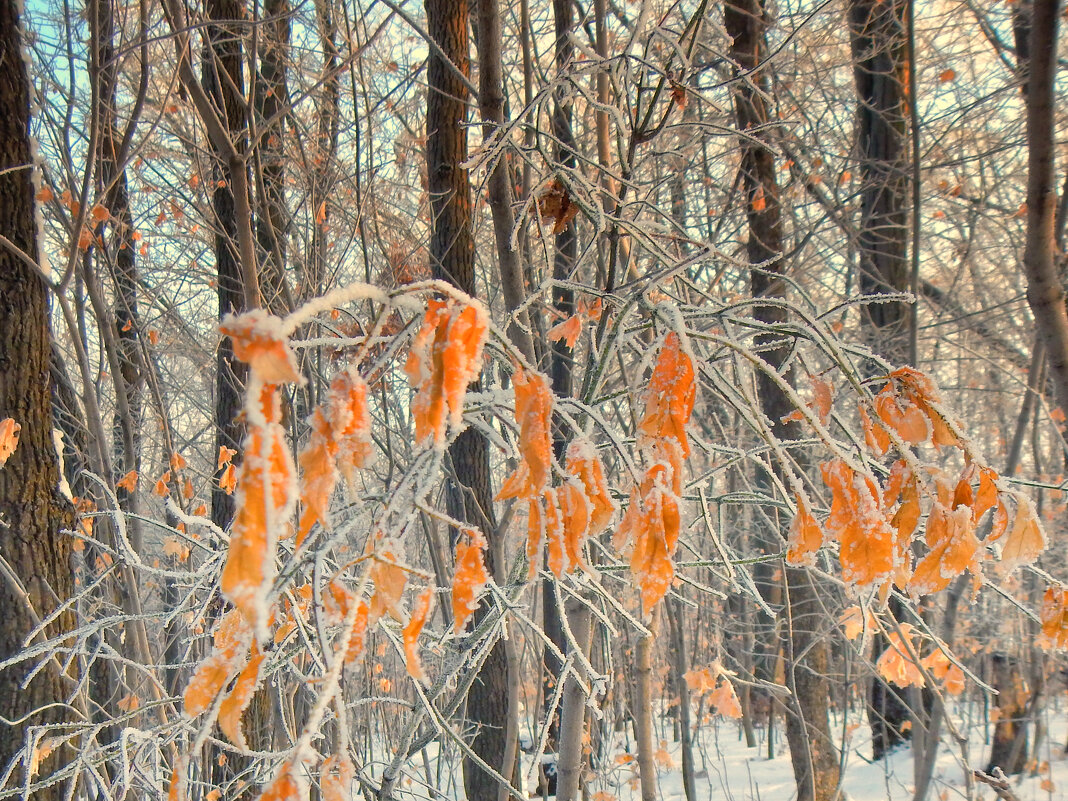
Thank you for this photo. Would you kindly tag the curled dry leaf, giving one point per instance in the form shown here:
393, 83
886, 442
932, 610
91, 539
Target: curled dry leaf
896, 665
669, 399
232, 638
237, 700
128, 482
868, 549
938, 664
336, 778
724, 699
445, 357
568, 331
1025, 540
9, 438
412, 631
266, 496
469, 578
533, 411
1054, 617
954, 548
259, 342
806, 536
655, 537
584, 463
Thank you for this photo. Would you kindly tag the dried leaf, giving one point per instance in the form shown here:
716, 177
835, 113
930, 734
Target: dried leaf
128, 482
724, 700
533, 411
9, 438
1025, 541
258, 340
584, 463
412, 631
238, 699
670, 396
469, 578
568, 331
806, 536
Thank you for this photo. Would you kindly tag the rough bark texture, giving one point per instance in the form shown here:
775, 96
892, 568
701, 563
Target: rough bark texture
880, 67
1007, 678
452, 259
223, 79
1045, 289
879, 44
812, 752
32, 512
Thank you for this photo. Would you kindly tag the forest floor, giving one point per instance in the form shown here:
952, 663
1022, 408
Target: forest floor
728, 770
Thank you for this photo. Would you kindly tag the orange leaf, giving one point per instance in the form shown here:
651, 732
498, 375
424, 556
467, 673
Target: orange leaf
584, 463
1025, 540
318, 475
568, 331
554, 533
258, 341
806, 536
867, 554
896, 665
656, 538
161, 488
128, 482
350, 422
336, 778
286, 786
238, 699
724, 700
535, 534
533, 411
1054, 617
670, 397
265, 501
389, 578
468, 579
231, 640
575, 509
172, 546
177, 462
226, 455
9, 438
947, 75
854, 621
954, 548
228, 480
446, 356
412, 631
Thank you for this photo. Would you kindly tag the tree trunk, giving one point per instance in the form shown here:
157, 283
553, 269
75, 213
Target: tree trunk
223, 79
470, 494
879, 45
1007, 679
32, 512
1045, 289
807, 723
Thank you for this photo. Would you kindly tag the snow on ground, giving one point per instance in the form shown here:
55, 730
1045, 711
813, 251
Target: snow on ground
726, 770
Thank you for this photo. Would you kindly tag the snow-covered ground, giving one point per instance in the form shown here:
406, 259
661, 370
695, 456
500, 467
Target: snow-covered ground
727, 770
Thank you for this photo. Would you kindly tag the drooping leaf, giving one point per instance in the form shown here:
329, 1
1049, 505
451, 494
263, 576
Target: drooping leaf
670, 396
584, 463
533, 411
412, 631
258, 341
469, 578
806, 536
238, 699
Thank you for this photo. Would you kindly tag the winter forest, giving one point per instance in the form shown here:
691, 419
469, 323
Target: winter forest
615, 400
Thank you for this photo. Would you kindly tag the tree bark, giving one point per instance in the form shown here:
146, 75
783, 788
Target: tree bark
32, 512
1045, 289
812, 753
470, 494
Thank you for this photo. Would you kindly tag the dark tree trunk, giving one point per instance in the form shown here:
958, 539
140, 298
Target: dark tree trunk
32, 512
880, 68
880, 64
815, 761
223, 79
1007, 678
452, 259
